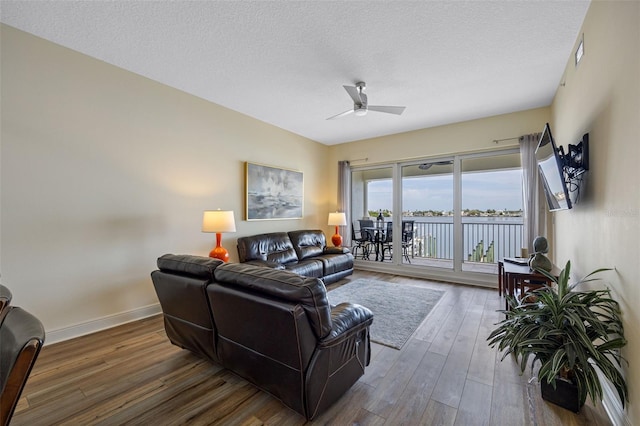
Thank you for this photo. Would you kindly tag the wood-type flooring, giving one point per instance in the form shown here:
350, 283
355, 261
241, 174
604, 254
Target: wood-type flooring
444, 375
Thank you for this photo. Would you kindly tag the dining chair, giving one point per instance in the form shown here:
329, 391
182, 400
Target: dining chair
387, 240
361, 243
365, 223
407, 238
22, 337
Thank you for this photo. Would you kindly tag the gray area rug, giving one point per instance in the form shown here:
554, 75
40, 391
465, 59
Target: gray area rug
398, 309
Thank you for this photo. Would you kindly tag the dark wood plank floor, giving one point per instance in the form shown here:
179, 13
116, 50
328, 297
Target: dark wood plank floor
444, 375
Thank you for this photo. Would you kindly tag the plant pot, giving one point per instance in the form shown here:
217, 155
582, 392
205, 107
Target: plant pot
564, 395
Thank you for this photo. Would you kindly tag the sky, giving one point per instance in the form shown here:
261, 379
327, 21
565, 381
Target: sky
497, 190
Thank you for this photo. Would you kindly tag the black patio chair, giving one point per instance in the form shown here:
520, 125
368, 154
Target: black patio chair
361, 240
407, 238
387, 241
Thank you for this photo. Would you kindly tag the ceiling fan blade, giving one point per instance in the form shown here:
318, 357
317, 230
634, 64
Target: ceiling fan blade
388, 109
354, 93
342, 114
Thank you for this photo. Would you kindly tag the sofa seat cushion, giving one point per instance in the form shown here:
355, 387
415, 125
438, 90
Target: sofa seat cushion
334, 263
195, 266
309, 293
309, 267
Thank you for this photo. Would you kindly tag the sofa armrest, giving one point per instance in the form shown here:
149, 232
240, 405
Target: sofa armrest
265, 264
340, 358
346, 319
336, 250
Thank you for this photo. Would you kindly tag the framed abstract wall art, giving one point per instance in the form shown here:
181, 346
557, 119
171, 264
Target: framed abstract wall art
273, 193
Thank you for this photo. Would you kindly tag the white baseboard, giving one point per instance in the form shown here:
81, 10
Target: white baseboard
66, 333
611, 403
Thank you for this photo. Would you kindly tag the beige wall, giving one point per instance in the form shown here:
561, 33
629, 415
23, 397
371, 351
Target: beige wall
103, 171
602, 96
469, 136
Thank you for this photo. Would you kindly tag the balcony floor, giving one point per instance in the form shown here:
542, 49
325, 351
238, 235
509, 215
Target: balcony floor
479, 267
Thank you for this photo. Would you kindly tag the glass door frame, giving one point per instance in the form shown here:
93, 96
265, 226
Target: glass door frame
458, 256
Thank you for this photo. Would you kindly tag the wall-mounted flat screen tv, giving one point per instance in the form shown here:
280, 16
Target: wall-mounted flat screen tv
550, 166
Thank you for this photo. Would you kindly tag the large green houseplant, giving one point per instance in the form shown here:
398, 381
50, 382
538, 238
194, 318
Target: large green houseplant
570, 332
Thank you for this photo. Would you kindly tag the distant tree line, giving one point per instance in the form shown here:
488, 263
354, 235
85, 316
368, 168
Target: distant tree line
438, 213
385, 213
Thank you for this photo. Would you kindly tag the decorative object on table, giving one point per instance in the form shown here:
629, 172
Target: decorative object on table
218, 221
273, 193
337, 219
538, 260
569, 332
398, 308
380, 220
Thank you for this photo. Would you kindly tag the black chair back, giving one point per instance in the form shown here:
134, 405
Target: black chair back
365, 223
22, 337
407, 238
407, 231
388, 233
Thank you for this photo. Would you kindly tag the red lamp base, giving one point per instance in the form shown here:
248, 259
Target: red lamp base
219, 252
337, 239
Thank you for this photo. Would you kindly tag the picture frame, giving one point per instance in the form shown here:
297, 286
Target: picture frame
273, 193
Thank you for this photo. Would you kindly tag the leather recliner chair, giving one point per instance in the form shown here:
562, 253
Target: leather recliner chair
273, 327
181, 284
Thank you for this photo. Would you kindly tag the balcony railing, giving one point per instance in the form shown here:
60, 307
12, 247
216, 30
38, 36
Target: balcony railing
484, 240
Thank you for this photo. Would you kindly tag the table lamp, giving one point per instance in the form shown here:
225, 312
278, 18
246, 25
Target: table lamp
337, 219
218, 221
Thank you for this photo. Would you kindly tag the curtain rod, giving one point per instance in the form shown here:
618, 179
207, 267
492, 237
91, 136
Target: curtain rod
359, 159
505, 139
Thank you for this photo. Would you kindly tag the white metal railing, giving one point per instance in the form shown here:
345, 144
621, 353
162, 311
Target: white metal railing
485, 241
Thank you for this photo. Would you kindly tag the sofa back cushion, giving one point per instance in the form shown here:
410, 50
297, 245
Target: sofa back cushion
286, 286
273, 247
185, 264
308, 243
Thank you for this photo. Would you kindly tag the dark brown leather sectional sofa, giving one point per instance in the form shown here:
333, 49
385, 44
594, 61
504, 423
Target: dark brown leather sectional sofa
273, 327
304, 252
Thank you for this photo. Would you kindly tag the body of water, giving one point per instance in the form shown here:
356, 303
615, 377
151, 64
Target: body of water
484, 238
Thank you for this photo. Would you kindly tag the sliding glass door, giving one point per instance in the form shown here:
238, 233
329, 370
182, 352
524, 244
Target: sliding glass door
491, 216
372, 212
427, 213
460, 213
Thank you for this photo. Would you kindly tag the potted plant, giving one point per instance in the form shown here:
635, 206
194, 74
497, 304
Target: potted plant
571, 333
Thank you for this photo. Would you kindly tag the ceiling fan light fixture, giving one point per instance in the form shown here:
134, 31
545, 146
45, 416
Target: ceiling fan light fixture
361, 104
360, 112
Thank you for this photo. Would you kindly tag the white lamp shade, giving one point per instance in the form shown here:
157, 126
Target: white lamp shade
337, 219
218, 221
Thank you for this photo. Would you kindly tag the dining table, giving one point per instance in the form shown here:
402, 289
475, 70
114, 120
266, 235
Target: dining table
378, 235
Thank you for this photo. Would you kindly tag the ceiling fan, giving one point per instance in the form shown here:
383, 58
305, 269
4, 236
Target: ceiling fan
360, 105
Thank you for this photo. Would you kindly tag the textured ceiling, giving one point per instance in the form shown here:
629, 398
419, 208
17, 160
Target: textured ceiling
285, 62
